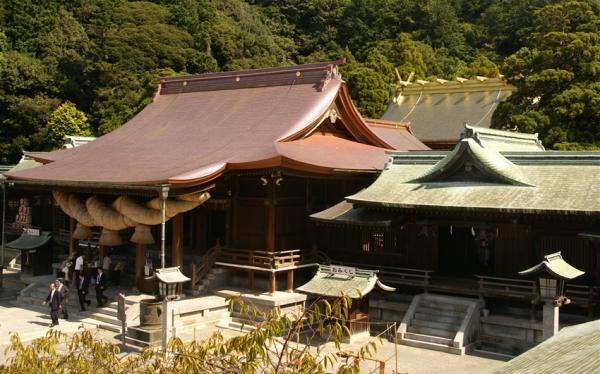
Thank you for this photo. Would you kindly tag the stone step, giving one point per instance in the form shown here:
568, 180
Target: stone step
440, 305
428, 338
105, 318
450, 327
432, 346
440, 312
391, 305
136, 342
239, 326
438, 318
431, 331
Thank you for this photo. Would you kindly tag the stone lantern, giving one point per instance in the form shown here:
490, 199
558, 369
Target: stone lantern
169, 282
551, 275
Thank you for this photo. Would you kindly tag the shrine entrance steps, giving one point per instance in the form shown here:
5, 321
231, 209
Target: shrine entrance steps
104, 317
441, 323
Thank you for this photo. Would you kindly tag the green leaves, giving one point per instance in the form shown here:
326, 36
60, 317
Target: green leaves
556, 77
66, 120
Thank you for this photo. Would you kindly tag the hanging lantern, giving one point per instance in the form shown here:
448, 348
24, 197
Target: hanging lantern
82, 232
110, 238
142, 235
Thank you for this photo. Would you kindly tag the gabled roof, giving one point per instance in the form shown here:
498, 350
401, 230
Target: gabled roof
344, 213
574, 349
470, 157
72, 141
475, 178
26, 241
200, 126
504, 141
397, 134
326, 283
556, 266
437, 111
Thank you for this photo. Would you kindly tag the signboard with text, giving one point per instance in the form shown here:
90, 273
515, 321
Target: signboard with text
32, 232
343, 270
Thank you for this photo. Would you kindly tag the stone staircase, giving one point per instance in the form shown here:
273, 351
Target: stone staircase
105, 317
440, 323
217, 276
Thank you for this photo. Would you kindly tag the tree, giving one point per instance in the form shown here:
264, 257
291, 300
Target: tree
556, 76
369, 90
66, 120
279, 344
27, 99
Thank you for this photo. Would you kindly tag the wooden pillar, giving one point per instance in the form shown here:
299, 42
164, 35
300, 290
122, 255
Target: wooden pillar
290, 281
177, 240
140, 261
251, 279
270, 232
73, 243
101, 254
272, 282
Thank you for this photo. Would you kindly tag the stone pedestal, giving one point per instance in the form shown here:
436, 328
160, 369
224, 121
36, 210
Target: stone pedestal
550, 320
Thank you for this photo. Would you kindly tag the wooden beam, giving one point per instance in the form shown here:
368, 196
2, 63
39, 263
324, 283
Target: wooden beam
177, 240
140, 261
290, 280
272, 282
101, 254
270, 229
251, 279
73, 243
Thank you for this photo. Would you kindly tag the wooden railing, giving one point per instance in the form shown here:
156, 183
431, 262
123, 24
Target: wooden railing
507, 287
396, 275
265, 259
581, 295
199, 271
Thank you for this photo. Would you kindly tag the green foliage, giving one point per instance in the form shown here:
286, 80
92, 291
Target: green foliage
105, 56
557, 78
66, 120
280, 344
375, 91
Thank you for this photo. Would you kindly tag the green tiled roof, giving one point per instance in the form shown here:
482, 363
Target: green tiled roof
575, 349
476, 177
469, 153
555, 265
325, 283
344, 213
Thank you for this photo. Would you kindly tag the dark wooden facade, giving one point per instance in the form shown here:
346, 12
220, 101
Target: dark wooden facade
451, 245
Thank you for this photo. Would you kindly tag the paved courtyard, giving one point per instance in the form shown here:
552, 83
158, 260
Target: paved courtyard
32, 322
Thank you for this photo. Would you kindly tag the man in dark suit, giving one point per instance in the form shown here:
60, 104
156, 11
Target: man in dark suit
54, 300
83, 286
100, 287
64, 297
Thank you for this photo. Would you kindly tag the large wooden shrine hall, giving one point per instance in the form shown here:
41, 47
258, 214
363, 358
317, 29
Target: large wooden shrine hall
229, 165
465, 222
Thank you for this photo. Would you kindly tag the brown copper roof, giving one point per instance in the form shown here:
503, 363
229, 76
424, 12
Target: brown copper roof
397, 134
197, 127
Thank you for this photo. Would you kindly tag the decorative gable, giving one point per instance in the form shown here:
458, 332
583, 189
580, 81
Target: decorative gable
470, 161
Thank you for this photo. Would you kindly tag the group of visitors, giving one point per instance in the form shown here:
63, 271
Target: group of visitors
58, 295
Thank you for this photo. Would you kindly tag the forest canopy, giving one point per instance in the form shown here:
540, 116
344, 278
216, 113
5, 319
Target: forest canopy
87, 66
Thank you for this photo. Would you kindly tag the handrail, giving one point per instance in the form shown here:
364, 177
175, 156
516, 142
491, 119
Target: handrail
398, 275
264, 259
198, 272
506, 286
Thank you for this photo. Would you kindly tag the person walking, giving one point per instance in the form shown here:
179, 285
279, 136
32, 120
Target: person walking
64, 297
100, 287
83, 286
78, 266
106, 262
53, 299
